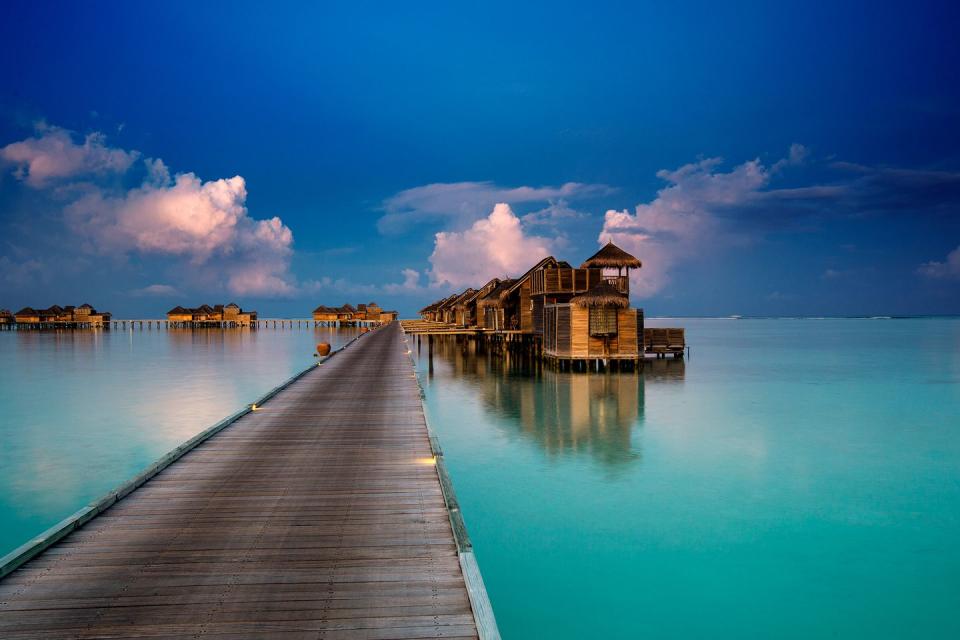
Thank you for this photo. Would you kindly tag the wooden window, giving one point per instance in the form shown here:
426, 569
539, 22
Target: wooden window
603, 321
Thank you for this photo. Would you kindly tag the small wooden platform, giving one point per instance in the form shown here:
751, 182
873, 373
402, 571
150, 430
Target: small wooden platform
320, 516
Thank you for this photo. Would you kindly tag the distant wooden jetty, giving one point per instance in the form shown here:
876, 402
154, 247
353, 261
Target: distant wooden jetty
574, 318
324, 513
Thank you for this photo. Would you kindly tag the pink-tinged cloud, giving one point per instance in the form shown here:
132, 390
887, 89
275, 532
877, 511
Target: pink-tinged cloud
53, 155
685, 220
204, 226
948, 269
205, 222
494, 246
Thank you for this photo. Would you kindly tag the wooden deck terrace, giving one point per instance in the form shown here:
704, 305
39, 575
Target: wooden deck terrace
323, 513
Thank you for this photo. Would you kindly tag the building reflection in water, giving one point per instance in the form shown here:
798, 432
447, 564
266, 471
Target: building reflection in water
592, 414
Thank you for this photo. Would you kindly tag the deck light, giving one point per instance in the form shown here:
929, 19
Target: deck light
428, 461
254, 407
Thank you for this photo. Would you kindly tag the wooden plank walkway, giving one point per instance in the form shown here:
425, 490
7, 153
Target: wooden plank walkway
318, 516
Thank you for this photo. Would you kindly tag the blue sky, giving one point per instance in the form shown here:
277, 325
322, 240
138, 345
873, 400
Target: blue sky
760, 158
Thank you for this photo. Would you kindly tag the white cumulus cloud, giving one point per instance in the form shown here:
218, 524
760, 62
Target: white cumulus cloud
493, 246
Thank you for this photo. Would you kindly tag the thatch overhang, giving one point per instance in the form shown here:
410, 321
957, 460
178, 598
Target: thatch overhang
492, 299
602, 294
483, 291
611, 257
448, 302
464, 297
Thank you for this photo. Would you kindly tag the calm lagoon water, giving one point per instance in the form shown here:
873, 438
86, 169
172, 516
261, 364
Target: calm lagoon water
83, 411
792, 479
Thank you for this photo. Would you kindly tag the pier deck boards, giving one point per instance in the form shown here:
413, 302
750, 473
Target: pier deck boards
319, 516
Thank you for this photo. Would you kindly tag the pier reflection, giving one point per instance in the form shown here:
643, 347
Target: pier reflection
592, 414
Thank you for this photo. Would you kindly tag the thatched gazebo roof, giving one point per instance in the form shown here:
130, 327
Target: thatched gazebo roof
613, 257
602, 294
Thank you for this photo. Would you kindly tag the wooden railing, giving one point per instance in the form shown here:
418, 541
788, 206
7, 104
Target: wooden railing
621, 283
572, 281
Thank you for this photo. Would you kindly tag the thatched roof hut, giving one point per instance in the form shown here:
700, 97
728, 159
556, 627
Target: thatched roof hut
493, 298
611, 257
602, 294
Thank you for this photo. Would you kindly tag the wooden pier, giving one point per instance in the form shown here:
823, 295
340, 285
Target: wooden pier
160, 323
323, 513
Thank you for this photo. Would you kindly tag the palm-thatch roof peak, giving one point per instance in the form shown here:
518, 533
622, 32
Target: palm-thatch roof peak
611, 256
602, 294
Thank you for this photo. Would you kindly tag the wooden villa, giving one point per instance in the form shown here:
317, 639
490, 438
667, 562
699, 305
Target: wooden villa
445, 311
490, 311
458, 308
566, 314
347, 315
434, 312
57, 317
469, 311
7, 320
586, 311
230, 315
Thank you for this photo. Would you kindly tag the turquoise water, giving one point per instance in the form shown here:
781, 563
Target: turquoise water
792, 479
84, 411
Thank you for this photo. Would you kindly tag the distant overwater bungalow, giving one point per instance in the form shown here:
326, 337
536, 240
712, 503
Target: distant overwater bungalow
573, 317
348, 315
55, 317
230, 315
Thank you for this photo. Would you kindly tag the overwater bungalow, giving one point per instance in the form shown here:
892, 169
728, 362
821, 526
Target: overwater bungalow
468, 309
370, 313
445, 311
517, 300
434, 312
597, 323
7, 321
230, 315
566, 314
490, 313
326, 314
458, 307
57, 317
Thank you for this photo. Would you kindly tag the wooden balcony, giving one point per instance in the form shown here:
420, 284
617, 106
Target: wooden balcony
572, 281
